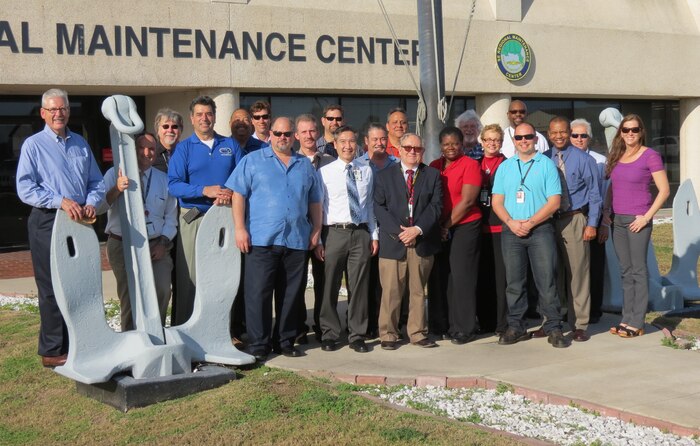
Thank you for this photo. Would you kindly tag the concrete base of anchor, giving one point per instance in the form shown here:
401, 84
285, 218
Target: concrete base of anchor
124, 392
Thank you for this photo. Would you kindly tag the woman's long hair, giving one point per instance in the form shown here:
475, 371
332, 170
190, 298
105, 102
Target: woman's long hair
618, 146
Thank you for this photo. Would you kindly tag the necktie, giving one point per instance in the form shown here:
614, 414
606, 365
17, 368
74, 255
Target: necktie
565, 204
409, 186
353, 195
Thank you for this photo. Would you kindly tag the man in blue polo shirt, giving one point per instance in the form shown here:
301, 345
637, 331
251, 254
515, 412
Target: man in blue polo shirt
526, 193
196, 175
275, 191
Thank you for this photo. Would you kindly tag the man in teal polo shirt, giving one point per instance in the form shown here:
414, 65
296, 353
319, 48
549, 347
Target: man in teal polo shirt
526, 193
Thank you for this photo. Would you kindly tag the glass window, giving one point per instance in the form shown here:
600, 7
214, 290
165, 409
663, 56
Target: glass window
590, 111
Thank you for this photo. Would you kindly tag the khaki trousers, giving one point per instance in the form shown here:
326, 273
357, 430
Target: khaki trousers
161, 277
395, 275
573, 273
186, 268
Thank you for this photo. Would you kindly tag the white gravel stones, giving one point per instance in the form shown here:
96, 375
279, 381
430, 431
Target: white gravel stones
506, 411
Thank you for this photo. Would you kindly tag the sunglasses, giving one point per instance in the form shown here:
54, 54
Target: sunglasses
630, 129
517, 112
332, 118
529, 137
413, 148
285, 134
580, 135
169, 126
256, 117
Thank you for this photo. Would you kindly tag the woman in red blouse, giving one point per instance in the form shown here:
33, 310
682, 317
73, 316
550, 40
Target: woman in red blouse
492, 308
461, 228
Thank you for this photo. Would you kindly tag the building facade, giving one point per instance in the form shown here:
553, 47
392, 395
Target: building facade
300, 55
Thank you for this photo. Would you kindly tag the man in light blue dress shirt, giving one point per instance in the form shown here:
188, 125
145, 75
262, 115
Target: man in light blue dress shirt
56, 170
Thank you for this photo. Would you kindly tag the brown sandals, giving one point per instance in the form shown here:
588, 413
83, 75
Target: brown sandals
628, 332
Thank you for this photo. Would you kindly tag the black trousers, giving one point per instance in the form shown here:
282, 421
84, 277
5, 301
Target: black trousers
464, 272
597, 277
53, 334
491, 304
438, 321
271, 269
237, 327
317, 273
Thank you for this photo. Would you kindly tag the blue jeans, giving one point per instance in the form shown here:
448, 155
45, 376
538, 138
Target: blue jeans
539, 249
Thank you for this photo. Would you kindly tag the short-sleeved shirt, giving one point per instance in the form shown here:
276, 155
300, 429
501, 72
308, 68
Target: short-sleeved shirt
463, 170
277, 197
537, 178
630, 183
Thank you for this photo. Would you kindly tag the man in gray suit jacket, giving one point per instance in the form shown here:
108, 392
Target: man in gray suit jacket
407, 205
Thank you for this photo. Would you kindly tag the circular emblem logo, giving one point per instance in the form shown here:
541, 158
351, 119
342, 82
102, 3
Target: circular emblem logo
513, 57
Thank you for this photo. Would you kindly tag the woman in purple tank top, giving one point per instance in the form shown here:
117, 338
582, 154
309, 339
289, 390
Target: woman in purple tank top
631, 167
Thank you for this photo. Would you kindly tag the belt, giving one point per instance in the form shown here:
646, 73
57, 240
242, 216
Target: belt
568, 213
349, 226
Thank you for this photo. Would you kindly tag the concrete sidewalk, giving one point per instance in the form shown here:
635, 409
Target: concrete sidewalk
633, 379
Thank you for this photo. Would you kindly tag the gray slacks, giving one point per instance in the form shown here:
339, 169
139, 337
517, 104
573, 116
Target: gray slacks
185, 267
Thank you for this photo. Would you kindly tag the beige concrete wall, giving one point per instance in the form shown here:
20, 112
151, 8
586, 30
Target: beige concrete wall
621, 48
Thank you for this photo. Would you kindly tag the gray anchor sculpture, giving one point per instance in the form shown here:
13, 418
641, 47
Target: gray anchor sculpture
686, 242
96, 351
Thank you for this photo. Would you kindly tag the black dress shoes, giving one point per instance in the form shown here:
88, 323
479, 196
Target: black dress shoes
329, 345
359, 346
290, 352
461, 338
557, 339
425, 343
260, 356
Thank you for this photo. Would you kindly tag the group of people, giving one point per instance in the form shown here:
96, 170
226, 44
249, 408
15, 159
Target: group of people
494, 212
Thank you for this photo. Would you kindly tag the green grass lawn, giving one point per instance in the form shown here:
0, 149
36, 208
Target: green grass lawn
263, 406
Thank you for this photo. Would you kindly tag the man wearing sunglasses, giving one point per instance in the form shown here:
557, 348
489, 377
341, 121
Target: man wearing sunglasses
581, 135
517, 113
408, 205
56, 170
168, 129
331, 120
526, 193
261, 112
576, 224
196, 176
277, 215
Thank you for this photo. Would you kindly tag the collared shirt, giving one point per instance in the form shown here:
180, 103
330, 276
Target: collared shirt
391, 159
476, 153
508, 147
327, 147
51, 168
541, 181
252, 145
600, 161
160, 207
583, 188
255, 135
336, 206
277, 197
318, 159
194, 165
162, 157
392, 149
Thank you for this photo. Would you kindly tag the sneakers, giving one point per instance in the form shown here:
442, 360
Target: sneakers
511, 336
557, 339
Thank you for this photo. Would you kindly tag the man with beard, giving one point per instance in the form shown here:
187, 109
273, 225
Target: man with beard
274, 192
196, 174
242, 131
331, 120
517, 113
168, 128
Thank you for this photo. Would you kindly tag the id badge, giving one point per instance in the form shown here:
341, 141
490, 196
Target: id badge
150, 229
484, 197
358, 174
520, 197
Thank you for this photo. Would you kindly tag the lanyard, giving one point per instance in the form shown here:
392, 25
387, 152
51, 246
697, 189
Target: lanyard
522, 178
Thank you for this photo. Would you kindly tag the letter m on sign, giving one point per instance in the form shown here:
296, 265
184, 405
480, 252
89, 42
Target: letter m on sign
70, 41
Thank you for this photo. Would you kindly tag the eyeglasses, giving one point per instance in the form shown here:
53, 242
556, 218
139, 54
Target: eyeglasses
529, 137
580, 135
333, 118
257, 117
53, 111
521, 111
170, 126
491, 140
630, 129
413, 148
285, 134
